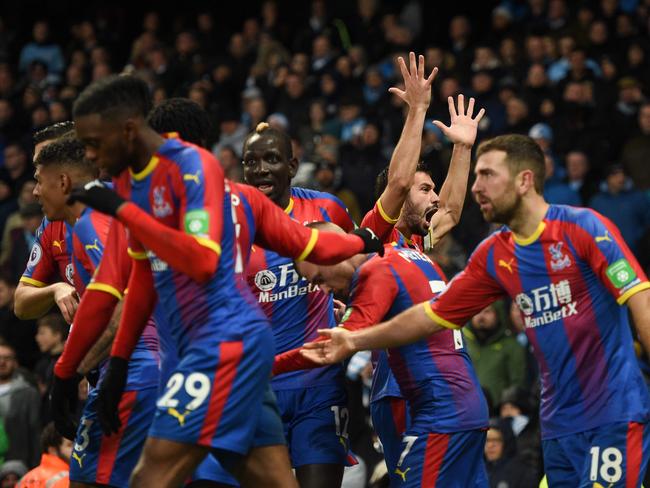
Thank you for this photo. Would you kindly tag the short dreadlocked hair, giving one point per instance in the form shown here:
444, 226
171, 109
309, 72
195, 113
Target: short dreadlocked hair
66, 152
114, 94
184, 116
54, 131
265, 129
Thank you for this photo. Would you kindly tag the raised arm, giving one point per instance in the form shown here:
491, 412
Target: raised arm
462, 133
417, 95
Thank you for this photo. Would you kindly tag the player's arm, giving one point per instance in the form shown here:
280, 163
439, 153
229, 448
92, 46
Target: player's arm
462, 133
102, 347
373, 296
32, 302
401, 170
276, 231
468, 293
38, 290
599, 242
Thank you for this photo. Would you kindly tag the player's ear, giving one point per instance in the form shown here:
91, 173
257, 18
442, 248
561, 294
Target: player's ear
130, 129
65, 183
293, 167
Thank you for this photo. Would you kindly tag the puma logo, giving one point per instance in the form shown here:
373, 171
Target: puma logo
78, 458
507, 265
94, 245
192, 177
604, 238
58, 244
402, 474
178, 416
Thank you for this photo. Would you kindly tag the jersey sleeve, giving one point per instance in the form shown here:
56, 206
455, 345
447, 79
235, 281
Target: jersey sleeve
41, 268
112, 274
201, 186
599, 242
371, 297
339, 213
468, 293
380, 223
278, 232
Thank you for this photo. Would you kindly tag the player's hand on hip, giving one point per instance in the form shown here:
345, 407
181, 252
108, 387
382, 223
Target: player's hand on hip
67, 299
371, 242
110, 394
417, 86
336, 348
63, 404
463, 127
96, 195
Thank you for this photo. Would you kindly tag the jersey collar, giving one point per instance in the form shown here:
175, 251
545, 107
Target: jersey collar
526, 241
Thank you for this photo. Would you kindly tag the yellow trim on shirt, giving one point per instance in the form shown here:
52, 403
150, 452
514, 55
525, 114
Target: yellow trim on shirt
32, 281
210, 244
437, 318
525, 241
309, 247
137, 255
384, 215
148, 169
632, 291
289, 207
111, 290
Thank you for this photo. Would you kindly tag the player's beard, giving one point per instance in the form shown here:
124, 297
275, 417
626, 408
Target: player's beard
413, 219
505, 210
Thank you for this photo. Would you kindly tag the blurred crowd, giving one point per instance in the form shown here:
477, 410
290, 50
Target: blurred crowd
575, 76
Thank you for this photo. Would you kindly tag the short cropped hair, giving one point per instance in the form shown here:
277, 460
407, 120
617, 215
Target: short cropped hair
184, 116
114, 94
50, 438
381, 182
522, 152
66, 152
54, 131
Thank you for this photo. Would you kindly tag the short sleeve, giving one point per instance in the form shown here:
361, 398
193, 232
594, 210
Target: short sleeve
372, 295
41, 267
468, 293
380, 223
339, 214
599, 243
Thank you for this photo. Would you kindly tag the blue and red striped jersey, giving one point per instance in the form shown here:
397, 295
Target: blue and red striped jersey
49, 260
384, 226
89, 236
296, 308
182, 187
435, 374
569, 280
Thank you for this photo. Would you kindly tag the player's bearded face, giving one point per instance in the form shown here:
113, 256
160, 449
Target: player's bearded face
420, 205
105, 143
494, 188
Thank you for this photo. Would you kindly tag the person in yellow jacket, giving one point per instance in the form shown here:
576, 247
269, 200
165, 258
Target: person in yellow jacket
52, 472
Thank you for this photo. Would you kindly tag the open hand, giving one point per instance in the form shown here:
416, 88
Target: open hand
417, 88
463, 127
338, 347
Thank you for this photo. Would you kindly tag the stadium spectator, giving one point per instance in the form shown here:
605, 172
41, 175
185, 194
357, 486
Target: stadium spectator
21, 239
11, 472
578, 175
504, 470
624, 205
498, 359
636, 149
50, 337
42, 49
19, 409
52, 472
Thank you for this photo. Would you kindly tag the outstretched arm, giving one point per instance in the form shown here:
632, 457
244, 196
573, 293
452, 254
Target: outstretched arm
462, 133
417, 94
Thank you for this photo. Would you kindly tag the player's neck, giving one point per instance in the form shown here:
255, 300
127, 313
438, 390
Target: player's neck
73, 212
283, 201
146, 145
527, 218
403, 229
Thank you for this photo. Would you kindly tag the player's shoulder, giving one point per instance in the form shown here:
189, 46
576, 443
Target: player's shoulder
577, 217
184, 154
321, 197
502, 234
